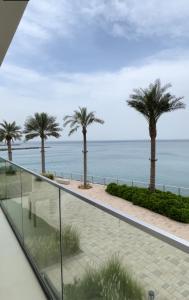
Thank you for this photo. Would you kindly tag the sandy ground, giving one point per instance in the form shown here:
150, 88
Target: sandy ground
98, 192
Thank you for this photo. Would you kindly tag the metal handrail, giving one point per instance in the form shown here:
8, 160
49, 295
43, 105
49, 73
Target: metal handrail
104, 180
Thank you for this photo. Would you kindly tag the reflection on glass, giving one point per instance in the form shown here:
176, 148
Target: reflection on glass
2, 180
41, 228
117, 261
101, 256
13, 199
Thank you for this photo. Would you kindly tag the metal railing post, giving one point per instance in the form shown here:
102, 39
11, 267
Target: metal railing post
104, 181
61, 241
151, 295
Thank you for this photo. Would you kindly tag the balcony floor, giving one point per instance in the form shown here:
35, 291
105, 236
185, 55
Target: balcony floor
18, 281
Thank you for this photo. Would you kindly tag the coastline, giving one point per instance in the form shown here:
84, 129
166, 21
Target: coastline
118, 160
23, 148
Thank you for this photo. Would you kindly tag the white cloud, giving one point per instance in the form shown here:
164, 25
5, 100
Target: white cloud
47, 22
131, 18
135, 18
49, 18
23, 92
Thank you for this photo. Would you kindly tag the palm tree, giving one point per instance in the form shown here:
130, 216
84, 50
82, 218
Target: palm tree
152, 102
41, 125
10, 132
82, 118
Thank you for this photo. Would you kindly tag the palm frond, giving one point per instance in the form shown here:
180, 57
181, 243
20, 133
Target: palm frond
73, 130
42, 125
31, 136
153, 101
81, 118
10, 131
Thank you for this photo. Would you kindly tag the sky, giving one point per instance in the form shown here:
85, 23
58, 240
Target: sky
72, 53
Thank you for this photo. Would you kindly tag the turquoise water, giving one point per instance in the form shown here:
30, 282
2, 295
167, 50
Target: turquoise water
122, 159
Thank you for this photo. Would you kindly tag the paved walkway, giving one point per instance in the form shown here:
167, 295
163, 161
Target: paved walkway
154, 264
98, 193
17, 280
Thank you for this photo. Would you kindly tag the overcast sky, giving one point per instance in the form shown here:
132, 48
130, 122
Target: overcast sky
71, 53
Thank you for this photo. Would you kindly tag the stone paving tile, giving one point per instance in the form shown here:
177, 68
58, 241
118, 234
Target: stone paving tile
157, 265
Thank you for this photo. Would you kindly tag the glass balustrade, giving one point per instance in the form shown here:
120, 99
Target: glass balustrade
82, 250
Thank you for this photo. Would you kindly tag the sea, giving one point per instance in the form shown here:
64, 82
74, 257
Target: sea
124, 160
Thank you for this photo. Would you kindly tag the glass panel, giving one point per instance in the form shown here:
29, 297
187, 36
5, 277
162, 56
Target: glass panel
106, 258
98, 180
77, 177
184, 191
110, 180
102, 257
2, 180
41, 225
13, 201
173, 189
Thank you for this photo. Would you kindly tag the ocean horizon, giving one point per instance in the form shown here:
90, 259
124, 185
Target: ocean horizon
123, 159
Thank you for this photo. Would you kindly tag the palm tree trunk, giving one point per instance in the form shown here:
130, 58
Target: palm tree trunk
9, 150
152, 185
42, 155
153, 165
85, 157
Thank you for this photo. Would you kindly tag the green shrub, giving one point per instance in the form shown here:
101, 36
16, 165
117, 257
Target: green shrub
180, 215
45, 249
38, 178
2, 170
10, 171
184, 215
111, 282
112, 188
70, 240
48, 175
175, 214
165, 203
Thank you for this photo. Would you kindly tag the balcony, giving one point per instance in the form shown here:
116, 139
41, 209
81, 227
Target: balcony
80, 249
17, 279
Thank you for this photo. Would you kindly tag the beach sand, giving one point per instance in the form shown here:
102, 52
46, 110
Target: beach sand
97, 192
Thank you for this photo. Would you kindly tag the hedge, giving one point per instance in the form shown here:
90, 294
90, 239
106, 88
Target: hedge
48, 175
165, 203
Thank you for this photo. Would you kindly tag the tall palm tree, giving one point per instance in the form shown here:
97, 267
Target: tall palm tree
152, 102
41, 125
82, 118
10, 132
